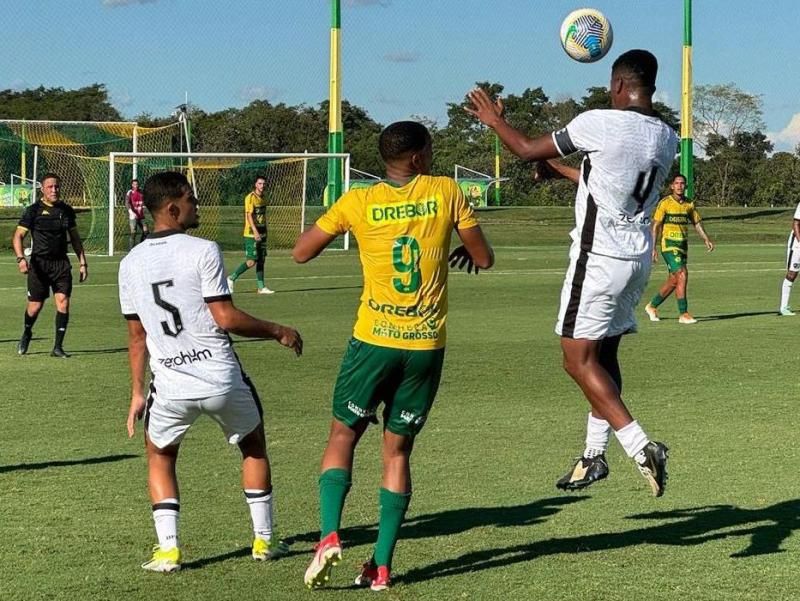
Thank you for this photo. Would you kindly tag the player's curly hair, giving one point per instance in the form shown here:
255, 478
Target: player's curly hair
638, 65
164, 186
401, 138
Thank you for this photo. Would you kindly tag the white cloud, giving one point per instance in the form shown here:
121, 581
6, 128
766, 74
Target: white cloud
402, 57
259, 92
789, 136
115, 3
121, 99
18, 85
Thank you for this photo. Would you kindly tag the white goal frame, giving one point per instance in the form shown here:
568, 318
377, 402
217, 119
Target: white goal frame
113, 156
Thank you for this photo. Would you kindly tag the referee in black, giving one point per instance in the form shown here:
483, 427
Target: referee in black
50, 222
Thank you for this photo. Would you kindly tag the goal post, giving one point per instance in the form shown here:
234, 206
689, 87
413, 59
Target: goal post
294, 189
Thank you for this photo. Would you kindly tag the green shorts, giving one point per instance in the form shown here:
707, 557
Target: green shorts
675, 259
253, 251
405, 381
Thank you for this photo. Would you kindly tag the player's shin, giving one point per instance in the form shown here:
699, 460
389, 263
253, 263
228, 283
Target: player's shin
334, 484
165, 516
239, 271
633, 440
28, 323
62, 320
261, 511
393, 511
598, 432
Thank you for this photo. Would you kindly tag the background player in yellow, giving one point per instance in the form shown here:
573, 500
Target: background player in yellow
403, 226
671, 222
255, 236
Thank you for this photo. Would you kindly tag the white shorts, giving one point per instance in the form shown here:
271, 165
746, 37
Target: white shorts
600, 294
238, 413
793, 254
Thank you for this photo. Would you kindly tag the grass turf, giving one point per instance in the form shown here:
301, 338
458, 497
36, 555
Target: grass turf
486, 521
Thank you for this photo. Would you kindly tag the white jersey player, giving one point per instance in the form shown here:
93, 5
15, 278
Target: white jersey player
628, 152
792, 264
174, 294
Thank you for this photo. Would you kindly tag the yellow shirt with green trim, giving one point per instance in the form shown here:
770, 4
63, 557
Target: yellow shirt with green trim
676, 218
257, 206
403, 235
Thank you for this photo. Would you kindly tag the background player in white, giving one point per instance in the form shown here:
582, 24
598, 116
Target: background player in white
175, 297
628, 151
792, 263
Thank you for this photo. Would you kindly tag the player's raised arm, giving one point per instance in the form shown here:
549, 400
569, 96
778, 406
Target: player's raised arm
310, 243
491, 114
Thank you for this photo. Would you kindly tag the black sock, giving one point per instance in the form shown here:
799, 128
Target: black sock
29, 321
62, 319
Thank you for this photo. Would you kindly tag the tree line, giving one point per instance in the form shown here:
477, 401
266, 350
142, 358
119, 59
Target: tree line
734, 164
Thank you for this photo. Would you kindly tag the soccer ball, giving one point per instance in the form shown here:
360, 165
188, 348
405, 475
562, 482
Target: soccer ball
586, 35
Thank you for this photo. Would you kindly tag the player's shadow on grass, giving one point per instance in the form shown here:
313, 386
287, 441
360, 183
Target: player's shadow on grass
750, 215
767, 528
64, 463
94, 351
735, 315
456, 521
242, 552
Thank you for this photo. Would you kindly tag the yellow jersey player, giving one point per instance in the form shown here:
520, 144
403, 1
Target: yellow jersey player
403, 227
671, 237
255, 236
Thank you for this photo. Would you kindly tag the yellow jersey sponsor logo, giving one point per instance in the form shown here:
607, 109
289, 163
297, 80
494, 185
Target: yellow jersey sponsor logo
379, 214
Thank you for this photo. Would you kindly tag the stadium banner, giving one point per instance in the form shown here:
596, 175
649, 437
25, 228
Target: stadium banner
475, 190
15, 196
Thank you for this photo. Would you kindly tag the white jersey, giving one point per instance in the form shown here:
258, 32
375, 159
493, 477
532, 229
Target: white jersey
628, 156
166, 282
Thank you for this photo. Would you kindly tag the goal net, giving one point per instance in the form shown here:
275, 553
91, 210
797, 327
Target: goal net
294, 188
78, 152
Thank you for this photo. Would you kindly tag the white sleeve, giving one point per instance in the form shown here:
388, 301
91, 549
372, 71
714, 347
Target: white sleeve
586, 133
213, 279
797, 212
126, 304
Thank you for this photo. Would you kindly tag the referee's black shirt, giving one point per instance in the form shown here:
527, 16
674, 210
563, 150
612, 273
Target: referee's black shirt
48, 225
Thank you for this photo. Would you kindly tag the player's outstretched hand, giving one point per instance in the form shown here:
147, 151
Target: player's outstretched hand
488, 112
461, 258
135, 413
290, 338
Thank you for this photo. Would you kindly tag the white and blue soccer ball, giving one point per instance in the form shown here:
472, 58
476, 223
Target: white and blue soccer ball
586, 35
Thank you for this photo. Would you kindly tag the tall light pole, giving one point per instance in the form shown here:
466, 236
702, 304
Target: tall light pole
335, 133
687, 151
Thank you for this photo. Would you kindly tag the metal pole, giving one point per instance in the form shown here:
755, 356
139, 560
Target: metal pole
347, 187
335, 133
135, 149
687, 151
303, 206
497, 170
111, 203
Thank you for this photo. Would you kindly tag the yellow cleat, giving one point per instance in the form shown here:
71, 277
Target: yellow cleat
269, 549
164, 561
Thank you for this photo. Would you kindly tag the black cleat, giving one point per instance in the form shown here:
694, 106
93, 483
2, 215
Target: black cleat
59, 352
654, 468
585, 472
24, 342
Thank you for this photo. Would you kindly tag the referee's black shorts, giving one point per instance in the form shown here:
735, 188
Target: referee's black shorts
46, 274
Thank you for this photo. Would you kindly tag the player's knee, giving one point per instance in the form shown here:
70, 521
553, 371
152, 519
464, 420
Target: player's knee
250, 263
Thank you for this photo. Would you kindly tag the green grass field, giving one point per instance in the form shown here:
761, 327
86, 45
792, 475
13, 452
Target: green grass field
486, 521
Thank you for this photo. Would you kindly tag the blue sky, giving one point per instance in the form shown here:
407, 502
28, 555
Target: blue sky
400, 57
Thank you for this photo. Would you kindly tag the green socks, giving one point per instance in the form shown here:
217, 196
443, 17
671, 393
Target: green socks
334, 484
393, 512
683, 305
656, 300
260, 279
239, 271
